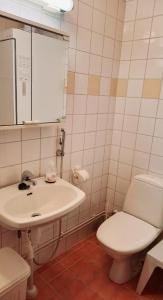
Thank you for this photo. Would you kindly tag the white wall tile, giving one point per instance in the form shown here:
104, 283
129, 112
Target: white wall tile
130, 12
83, 39
96, 43
10, 136
155, 48
78, 123
80, 102
80, 57
157, 146
10, 175
120, 105
146, 125
158, 128
126, 155
85, 15
145, 8
142, 29
148, 107
108, 48
89, 141
30, 133
107, 65
92, 104
95, 64
48, 147
135, 88
91, 121
143, 143
103, 106
10, 154
160, 109
140, 49
30, 150
128, 140
98, 24
124, 69
158, 7
132, 106
77, 142
130, 123
156, 163
128, 31
137, 69
141, 160
126, 50
157, 29
154, 68
124, 171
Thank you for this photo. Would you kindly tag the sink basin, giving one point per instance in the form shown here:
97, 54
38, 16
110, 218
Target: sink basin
39, 205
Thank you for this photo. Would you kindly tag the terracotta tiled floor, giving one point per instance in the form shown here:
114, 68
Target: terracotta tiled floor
82, 274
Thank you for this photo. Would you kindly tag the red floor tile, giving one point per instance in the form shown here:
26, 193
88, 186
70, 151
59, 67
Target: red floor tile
85, 271
70, 258
125, 294
87, 294
45, 292
54, 270
104, 287
67, 286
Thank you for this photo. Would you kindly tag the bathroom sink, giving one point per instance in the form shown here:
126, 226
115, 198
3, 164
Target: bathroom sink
41, 204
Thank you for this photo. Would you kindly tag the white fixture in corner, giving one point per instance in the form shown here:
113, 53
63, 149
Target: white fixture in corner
55, 5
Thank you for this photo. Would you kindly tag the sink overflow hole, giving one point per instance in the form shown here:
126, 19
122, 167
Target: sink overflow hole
35, 215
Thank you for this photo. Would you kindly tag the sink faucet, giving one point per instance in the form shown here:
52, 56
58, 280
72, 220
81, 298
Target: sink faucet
27, 178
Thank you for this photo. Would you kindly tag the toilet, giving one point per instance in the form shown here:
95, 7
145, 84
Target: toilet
132, 230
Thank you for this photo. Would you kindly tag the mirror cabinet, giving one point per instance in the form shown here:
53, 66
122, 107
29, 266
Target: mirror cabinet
33, 74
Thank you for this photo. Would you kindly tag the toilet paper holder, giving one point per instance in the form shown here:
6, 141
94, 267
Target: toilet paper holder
79, 175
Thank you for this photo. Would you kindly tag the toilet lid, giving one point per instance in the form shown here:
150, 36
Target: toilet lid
127, 234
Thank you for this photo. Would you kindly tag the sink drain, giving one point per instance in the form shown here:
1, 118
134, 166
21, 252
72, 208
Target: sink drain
35, 215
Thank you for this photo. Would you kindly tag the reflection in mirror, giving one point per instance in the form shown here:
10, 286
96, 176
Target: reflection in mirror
33, 70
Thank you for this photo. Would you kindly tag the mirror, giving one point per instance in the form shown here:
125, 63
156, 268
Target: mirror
33, 71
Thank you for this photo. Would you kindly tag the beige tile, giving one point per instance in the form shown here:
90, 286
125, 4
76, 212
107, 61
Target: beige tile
70, 83
94, 85
113, 88
151, 88
122, 85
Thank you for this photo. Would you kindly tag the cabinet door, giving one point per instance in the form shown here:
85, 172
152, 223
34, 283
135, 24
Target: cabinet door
7, 82
48, 77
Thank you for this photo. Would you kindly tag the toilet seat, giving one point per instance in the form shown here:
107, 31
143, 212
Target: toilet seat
114, 233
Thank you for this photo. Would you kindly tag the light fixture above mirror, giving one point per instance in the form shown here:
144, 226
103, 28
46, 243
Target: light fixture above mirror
55, 5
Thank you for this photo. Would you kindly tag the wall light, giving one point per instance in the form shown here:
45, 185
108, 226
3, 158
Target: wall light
55, 5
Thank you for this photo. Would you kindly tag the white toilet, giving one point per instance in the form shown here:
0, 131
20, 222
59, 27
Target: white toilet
136, 227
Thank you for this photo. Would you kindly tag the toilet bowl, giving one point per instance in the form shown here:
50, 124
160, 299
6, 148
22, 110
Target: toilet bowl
128, 232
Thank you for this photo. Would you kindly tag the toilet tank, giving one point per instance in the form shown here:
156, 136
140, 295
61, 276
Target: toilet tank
144, 199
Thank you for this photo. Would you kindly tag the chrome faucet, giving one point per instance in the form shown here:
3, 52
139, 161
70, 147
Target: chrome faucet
27, 178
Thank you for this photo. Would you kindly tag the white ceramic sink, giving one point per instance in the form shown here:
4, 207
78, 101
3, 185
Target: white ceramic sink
39, 205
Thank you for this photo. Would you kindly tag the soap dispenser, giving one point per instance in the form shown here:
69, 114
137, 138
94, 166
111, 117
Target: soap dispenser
51, 173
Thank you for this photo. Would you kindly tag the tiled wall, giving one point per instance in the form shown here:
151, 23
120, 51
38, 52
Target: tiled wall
137, 141
95, 28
